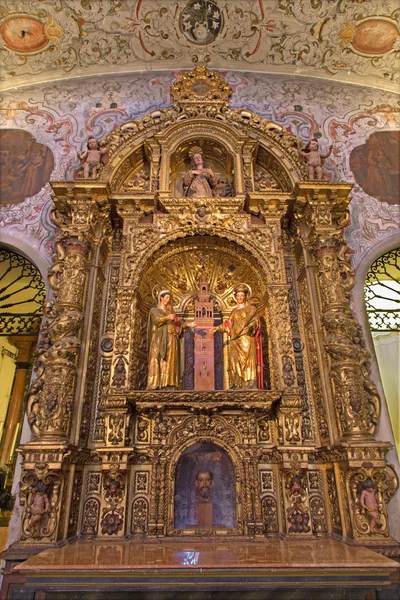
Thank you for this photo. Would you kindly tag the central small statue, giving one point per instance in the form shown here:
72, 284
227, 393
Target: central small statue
199, 181
245, 351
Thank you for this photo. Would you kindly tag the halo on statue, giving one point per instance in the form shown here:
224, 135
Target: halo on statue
164, 293
195, 150
156, 293
242, 287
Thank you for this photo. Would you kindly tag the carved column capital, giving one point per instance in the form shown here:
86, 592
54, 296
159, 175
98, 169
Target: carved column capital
320, 209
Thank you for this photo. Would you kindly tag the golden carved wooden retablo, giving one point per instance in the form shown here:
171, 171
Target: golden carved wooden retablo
137, 430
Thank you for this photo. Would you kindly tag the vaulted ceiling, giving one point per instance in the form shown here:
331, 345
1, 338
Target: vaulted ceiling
354, 41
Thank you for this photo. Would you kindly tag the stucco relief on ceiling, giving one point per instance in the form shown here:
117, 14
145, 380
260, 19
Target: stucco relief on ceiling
344, 40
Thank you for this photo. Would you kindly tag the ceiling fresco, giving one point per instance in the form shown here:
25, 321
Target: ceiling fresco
62, 116
356, 41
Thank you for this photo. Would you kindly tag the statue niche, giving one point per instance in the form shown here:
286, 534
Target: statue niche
201, 169
205, 495
195, 337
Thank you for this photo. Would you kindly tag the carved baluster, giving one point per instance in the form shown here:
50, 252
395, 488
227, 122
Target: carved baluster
248, 153
155, 166
258, 520
248, 502
161, 496
152, 527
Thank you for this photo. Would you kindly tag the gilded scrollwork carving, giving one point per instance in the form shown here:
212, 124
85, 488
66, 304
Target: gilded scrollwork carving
297, 509
141, 481
336, 522
116, 424
335, 274
278, 296
113, 509
91, 511
270, 514
140, 509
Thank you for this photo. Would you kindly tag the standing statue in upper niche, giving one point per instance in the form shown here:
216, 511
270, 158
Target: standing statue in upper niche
164, 331
314, 159
93, 157
199, 181
245, 350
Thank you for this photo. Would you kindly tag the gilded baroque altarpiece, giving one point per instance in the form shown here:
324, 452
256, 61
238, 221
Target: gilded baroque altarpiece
103, 461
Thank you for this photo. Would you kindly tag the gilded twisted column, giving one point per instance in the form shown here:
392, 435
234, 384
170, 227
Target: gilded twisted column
56, 397
319, 215
365, 482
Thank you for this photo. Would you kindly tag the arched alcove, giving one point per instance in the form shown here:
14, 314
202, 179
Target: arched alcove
205, 489
177, 267
385, 429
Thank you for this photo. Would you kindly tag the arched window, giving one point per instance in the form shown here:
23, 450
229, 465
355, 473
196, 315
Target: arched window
22, 293
382, 300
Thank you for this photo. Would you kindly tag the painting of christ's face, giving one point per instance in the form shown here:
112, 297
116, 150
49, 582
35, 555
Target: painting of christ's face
204, 483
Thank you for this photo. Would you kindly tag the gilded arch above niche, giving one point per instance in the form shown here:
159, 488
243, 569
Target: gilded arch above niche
208, 118
178, 267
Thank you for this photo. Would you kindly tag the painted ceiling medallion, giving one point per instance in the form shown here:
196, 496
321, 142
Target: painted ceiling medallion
201, 21
27, 34
371, 36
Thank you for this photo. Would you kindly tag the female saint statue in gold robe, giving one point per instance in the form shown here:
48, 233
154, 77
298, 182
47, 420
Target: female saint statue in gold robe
245, 352
164, 331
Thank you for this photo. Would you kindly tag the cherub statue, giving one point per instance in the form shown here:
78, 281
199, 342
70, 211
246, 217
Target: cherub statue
369, 502
314, 159
39, 508
93, 157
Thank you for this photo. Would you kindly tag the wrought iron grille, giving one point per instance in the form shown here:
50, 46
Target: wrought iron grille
382, 292
22, 292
